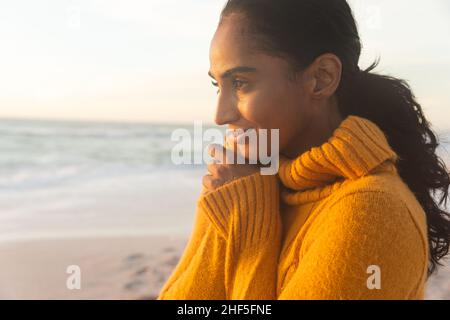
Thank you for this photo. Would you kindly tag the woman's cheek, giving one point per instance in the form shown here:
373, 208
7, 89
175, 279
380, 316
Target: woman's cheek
258, 111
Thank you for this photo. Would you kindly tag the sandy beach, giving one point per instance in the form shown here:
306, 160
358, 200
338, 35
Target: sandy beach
111, 267
121, 267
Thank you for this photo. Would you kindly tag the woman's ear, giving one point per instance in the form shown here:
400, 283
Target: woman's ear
326, 71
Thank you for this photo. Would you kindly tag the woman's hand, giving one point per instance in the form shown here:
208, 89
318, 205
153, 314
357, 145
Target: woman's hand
221, 171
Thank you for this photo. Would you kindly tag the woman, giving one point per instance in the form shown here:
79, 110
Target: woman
351, 213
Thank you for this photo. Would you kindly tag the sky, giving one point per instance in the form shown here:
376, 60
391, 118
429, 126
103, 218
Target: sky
147, 60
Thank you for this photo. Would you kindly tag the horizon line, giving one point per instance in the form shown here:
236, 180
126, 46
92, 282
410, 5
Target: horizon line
104, 121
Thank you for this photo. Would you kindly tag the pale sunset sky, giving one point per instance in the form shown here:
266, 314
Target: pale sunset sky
147, 60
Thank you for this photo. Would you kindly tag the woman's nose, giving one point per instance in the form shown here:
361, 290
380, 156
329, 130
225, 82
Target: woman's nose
226, 112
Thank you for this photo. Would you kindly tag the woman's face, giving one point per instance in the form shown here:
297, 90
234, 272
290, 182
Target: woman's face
254, 90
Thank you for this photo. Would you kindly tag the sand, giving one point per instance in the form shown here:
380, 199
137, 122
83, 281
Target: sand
439, 284
112, 267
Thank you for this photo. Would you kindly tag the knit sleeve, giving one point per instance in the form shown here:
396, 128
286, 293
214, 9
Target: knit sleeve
233, 250
199, 275
246, 214
364, 246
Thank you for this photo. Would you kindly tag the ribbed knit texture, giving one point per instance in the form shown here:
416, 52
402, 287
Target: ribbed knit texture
343, 209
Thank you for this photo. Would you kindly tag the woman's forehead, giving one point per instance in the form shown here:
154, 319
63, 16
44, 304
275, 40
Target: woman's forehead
229, 42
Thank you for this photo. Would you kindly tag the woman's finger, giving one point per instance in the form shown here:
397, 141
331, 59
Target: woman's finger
214, 169
210, 182
220, 154
217, 153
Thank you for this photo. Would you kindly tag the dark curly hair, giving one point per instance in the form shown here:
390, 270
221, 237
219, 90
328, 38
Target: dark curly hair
300, 31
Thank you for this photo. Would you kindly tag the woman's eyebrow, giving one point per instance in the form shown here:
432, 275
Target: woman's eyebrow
229, 73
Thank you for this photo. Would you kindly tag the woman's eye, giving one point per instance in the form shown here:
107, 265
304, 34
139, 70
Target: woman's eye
238, 84
215, 84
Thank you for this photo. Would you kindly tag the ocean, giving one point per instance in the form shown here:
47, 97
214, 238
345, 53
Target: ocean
59, 178
84, 178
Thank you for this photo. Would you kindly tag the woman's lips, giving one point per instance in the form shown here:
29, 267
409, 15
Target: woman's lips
237, 135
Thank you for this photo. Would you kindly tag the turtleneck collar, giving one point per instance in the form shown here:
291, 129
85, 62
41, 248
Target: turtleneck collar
356, 148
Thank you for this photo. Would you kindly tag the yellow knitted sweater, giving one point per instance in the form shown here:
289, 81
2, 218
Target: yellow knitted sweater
335, 223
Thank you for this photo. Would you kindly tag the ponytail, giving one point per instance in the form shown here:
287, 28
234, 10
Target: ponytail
389, 103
